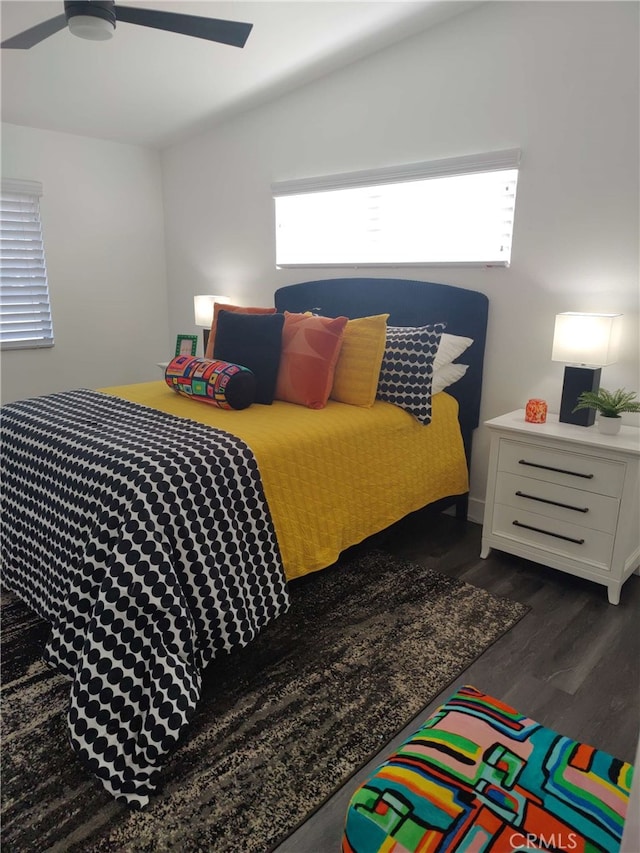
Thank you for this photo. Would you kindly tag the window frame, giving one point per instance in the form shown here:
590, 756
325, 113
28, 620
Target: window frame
489, 162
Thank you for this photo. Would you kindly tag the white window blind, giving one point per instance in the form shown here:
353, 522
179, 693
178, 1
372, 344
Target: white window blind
25, 312
444, 212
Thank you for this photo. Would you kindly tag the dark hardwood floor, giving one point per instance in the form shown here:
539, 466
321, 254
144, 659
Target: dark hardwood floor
572, 663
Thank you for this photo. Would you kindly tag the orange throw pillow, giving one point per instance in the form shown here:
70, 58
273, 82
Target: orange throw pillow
239, 309
310, 349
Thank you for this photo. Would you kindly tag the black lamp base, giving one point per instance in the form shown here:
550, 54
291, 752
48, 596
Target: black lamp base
576, 381
205, 336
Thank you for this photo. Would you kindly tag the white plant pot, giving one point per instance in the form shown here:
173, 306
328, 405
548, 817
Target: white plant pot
609, 426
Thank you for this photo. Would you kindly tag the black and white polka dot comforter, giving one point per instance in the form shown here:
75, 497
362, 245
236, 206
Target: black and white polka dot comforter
145, 540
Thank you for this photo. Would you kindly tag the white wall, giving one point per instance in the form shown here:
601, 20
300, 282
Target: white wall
102, 220
558, 80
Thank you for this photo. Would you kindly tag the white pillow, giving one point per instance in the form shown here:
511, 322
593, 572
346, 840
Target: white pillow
451, 346
447, 375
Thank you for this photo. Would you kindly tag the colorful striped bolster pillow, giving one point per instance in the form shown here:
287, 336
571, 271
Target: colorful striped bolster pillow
220, 383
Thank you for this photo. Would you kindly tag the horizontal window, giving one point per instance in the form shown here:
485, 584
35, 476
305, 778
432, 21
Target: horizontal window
25, 312
444, 212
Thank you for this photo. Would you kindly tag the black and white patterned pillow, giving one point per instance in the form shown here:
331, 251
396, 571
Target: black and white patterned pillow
407, 368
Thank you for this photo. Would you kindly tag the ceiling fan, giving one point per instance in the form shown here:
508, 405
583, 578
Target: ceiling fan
96, 20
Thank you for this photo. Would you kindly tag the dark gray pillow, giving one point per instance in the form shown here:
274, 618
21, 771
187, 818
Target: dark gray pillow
254, 341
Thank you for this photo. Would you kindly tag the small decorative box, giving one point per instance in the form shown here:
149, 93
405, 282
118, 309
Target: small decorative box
536, 412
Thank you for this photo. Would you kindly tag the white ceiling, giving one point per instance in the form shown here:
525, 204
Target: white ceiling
151, 87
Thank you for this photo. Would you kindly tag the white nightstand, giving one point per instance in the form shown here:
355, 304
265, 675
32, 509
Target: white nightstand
565, 496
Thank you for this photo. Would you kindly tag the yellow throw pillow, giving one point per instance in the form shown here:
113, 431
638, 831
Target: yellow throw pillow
358, 368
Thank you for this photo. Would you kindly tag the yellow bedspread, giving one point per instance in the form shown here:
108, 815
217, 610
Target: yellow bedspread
333, 476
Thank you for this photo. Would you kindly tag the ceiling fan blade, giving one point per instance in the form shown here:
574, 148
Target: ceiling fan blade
36, 34
234, 33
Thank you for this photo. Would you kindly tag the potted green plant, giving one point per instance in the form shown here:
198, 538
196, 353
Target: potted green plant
610, 405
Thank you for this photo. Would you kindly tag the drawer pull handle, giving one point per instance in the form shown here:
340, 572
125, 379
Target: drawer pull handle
554, 503
549, 533
551, 468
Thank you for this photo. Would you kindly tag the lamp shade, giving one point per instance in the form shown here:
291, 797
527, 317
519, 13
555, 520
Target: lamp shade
589, 339
203, 309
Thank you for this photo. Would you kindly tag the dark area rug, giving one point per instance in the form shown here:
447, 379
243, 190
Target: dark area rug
281, 725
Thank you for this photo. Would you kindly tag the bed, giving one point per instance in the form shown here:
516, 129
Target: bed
154, 532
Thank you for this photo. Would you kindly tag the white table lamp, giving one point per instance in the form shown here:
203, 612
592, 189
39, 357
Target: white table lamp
592, 342
203, 311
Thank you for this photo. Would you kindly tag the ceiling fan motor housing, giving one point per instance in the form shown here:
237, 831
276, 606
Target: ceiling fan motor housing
96, 20
92, 19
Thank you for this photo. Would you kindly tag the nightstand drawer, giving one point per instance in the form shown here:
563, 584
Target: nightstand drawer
591, 547
565, 468
575, 506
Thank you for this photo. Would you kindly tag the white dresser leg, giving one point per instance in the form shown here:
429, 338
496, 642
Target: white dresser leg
613, 593
486, 550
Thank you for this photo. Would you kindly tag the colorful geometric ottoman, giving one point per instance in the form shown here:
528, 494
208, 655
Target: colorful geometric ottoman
478, 776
